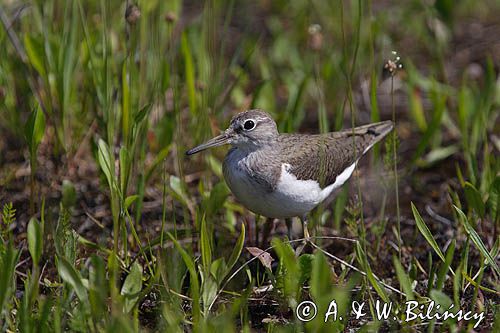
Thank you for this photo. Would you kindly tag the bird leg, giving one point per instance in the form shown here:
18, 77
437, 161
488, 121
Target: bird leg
306, 231
307, 238
268, 225
289, 226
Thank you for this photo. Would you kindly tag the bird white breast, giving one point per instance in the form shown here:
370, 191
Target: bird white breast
291, 196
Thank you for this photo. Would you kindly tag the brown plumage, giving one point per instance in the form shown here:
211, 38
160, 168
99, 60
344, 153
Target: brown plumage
324, 157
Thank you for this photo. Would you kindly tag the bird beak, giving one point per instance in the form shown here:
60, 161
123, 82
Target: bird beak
215, 142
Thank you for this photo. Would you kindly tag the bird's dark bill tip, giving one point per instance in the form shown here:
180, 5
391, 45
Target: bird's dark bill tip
191, 152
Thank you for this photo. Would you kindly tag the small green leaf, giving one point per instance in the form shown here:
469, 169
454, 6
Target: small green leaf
130, 200
369, 273
176, 186
35, 240
194, 280
494, 199
132, 286
158, 159
142, 113
72, 277
35, 129
35, 53
440, 298
404, 279
438, 154
125, 101
426, 232
477, 240
172, 268
98, 287
306, 262
104, 157
218, 269
237, 251
209, 291
215, 165
321, 272
437, 115
68, 194
9, 259
287, 274
441, 276
189, 71
416, 108
474, 199
206, 248
125, 164
216, 200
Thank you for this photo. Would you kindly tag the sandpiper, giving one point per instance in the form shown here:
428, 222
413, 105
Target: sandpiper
287, 175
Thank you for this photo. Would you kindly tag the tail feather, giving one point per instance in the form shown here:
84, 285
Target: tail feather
377, 132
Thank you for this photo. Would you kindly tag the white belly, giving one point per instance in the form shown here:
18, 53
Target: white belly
290, 198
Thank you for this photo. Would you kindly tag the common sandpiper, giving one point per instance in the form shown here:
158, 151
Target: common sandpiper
283, 176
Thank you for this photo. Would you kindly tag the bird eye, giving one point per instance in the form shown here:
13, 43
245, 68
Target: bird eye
249, 125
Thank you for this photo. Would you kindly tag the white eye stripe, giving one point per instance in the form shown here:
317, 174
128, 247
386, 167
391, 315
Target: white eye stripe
258, 119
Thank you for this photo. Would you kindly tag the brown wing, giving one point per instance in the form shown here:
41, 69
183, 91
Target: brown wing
324, 157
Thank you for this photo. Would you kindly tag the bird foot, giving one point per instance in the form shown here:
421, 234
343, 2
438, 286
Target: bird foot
307, 237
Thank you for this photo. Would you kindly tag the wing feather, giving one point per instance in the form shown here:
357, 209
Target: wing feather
325, 156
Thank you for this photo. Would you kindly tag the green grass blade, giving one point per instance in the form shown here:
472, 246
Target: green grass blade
422, 227
369, 273
477, 240
237, 251
189, 72
206, 248
9, 259
194, 280
35, 53
441, 276
475, 284
35, 129
72, 277
125, 103
474, 199
35, 240
404, 279
494, 199
132, 287
417, 109
433, 127
106, 164
158, 159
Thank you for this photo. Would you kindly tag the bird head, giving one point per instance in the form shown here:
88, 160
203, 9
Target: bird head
248, 130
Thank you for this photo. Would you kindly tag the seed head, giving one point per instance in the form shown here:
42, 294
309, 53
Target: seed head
132, 14
393, 65
315, 37
170, 17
